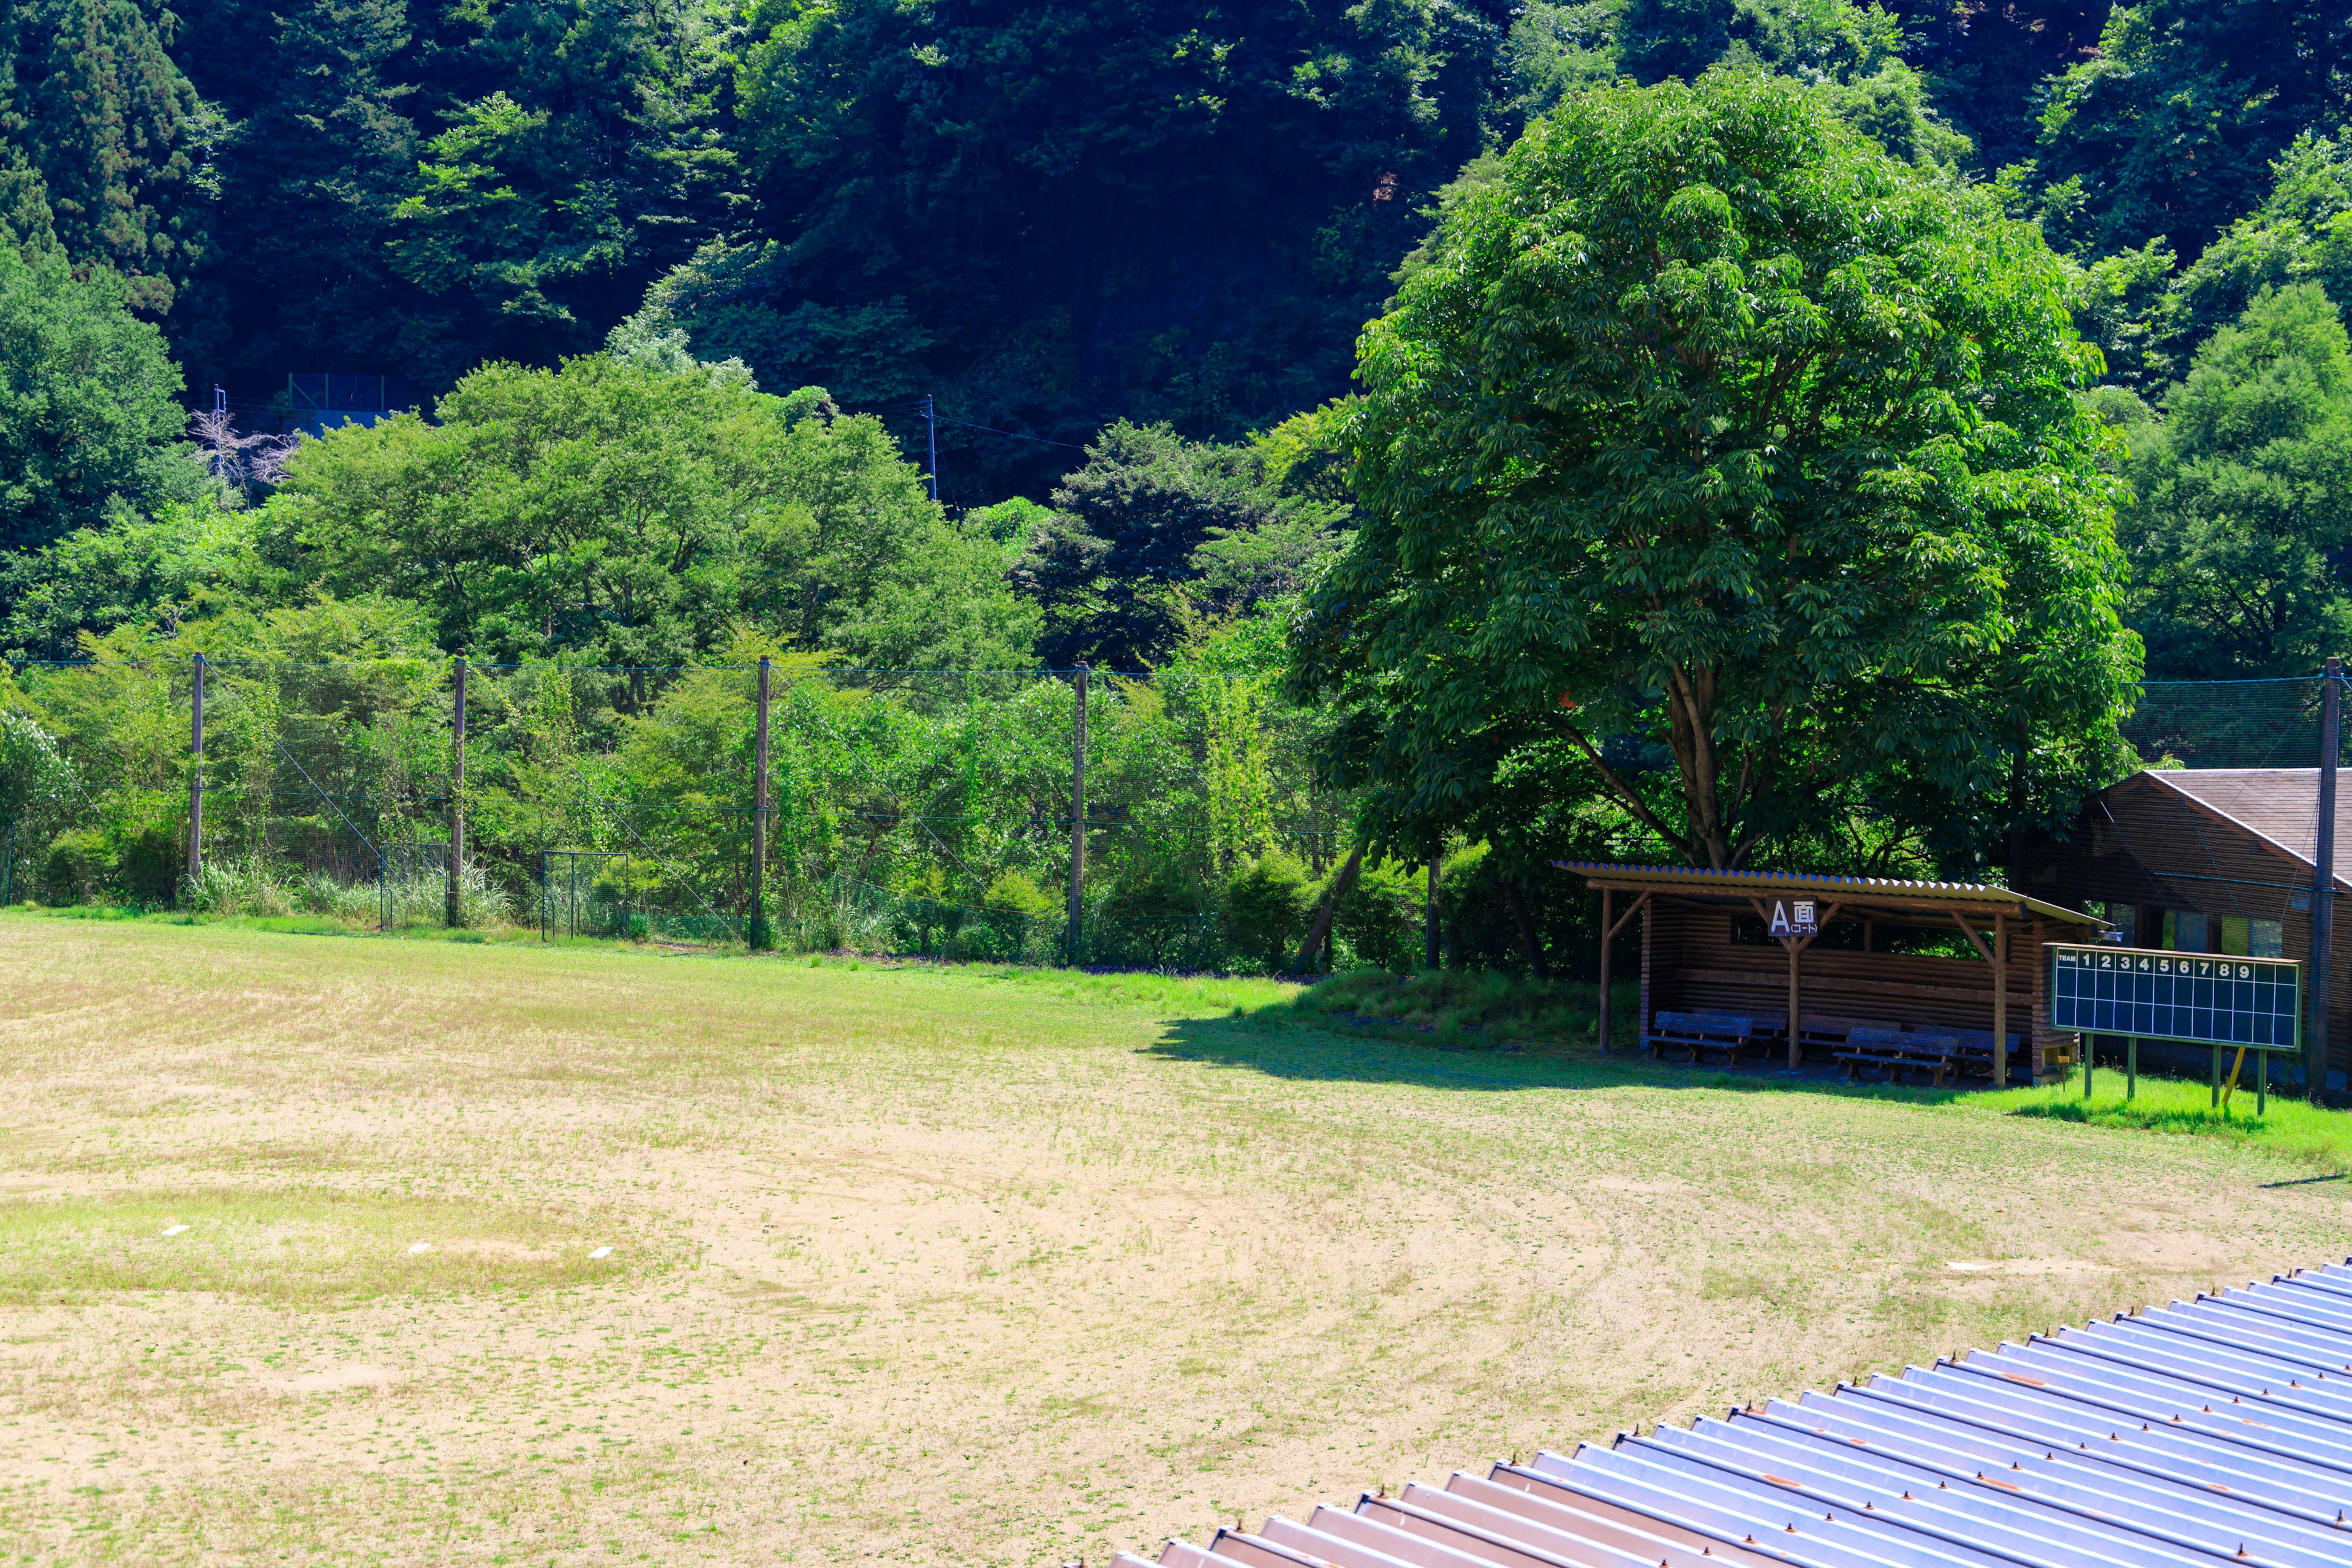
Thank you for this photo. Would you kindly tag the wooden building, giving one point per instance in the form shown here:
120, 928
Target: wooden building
1882, 954
2204, 860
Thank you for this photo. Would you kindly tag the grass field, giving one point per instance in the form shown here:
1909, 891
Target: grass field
931, 1266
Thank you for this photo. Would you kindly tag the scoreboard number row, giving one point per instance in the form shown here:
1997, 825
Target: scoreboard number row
2202, 998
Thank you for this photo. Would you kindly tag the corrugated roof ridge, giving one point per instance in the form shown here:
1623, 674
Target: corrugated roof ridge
2168, 1433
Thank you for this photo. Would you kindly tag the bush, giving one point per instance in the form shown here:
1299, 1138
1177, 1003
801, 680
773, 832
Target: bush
147, 868
1380, 917
1266, 907
75, 866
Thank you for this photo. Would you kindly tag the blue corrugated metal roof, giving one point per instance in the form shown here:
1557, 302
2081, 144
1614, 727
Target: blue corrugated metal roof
2217, 1430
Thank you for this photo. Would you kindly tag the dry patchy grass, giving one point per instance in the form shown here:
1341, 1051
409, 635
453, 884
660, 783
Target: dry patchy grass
927, 1266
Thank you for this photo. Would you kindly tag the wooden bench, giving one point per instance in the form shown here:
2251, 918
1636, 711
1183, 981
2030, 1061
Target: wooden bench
1974, 1055
1820, 1038
1699, 1033
1897, 1052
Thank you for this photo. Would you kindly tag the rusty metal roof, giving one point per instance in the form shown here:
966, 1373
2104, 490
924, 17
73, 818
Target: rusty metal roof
2205, 1432
2277, 805
1977, 897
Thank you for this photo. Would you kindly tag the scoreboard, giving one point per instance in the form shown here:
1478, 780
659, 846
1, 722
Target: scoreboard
2207, 998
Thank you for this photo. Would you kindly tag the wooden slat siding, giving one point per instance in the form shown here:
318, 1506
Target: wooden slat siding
2154, 831
1649, 925
1690, 964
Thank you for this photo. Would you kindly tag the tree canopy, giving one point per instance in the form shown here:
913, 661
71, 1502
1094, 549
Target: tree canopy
2242, 518
89, 415
617, 515
1720, 451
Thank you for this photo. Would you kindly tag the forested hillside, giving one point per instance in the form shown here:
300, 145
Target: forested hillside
1697, 427
1047, 216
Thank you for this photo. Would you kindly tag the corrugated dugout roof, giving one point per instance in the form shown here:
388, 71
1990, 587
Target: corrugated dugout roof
2279, 805
2205, 1432
1881, 891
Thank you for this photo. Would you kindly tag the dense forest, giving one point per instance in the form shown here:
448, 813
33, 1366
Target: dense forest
1047, 217
930, 336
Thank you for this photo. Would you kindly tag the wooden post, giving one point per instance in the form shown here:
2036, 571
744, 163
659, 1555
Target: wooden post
2000, 1002
2215, 1101
1796, 1050
1078, 810
197, 776
757, 937
1429, 924
453, 910
2323, 891
2131, 1066
1607, 930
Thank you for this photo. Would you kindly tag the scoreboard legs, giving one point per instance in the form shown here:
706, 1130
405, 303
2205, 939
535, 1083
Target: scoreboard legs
2131, 1066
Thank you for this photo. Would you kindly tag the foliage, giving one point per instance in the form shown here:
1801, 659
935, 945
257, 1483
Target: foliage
2242, 513
2301, 233
631, 517
1715, 442
1148, 521
1379, 915
2169, 127
89, 420
1265, 904
1851, 52
153, 572
103, 143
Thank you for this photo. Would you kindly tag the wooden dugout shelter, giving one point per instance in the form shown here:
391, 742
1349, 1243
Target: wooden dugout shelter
1710, 944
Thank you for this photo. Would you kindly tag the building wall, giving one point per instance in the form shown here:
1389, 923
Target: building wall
2139, 843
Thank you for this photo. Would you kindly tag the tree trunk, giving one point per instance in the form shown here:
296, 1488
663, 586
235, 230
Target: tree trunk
1518, 903
1322, 930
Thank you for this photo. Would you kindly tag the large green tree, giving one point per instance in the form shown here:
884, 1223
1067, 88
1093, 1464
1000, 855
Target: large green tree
634, 517
89, 414
1718, 459
2241, 520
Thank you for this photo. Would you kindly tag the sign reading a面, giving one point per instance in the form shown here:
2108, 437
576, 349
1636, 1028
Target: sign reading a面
2206, 998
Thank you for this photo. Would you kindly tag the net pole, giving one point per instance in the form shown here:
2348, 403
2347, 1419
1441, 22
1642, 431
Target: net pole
2323, 893
197, 774
453, 910
1077, 809
758, 931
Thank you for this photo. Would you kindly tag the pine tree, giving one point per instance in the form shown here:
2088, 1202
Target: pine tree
107, 142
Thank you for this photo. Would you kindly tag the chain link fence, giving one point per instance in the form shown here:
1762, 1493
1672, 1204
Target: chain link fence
920, 812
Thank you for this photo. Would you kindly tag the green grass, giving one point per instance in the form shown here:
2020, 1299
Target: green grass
2291, 1128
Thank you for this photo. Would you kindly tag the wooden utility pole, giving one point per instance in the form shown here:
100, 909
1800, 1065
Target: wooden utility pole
1078, 812
2323, 892
758, 937
197, 776
455, 910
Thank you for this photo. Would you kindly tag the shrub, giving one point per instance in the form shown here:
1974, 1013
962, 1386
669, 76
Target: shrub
1266, 906
1380, 916
76, 866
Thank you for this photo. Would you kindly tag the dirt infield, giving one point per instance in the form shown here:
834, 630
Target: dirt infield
921, 1266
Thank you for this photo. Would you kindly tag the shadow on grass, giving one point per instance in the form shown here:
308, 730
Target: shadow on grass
1286, 1046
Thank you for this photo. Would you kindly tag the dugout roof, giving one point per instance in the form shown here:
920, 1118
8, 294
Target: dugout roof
2207, 1432
1853, 892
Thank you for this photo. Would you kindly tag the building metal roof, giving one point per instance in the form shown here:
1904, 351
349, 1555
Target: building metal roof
1884, 892
2278, 805
2205, 1432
